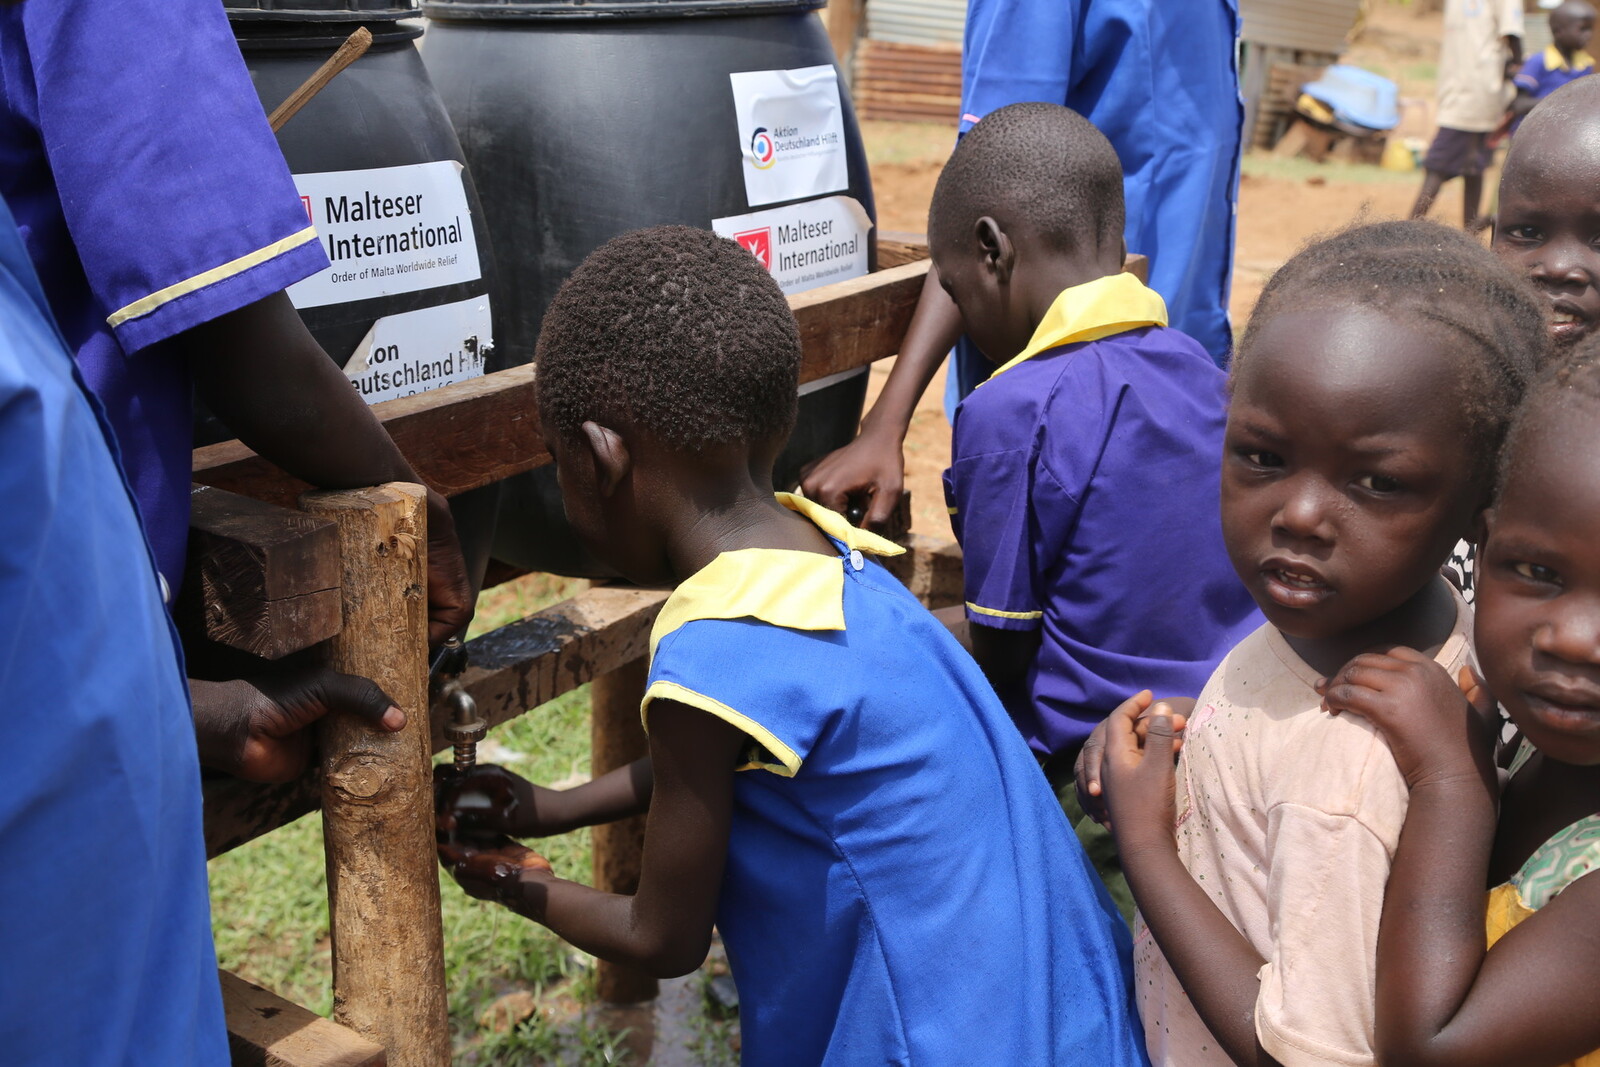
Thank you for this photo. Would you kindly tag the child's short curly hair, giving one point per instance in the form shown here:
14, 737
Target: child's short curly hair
674, 331
1577, 377
1038, 168
1439, 278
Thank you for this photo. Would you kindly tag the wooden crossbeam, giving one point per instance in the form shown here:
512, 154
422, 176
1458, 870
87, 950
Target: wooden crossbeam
264, 1030
554, 651
472, 433
262, 579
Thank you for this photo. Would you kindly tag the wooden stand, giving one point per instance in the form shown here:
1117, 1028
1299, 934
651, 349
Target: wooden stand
269, 588
377, 795
619, 847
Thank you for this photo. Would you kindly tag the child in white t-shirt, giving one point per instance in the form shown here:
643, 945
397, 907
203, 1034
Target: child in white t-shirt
1370, 396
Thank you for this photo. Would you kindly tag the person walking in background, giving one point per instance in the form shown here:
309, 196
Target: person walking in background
1480, 54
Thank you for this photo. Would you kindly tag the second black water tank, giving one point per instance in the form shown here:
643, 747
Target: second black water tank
583, 120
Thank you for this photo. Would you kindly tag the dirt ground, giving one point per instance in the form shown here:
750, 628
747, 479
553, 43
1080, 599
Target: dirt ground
1282, 205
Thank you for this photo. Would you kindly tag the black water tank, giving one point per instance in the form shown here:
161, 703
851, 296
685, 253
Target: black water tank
583, 120
405, 306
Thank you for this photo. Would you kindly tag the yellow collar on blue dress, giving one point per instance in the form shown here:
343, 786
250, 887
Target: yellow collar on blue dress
1114, 304
1554, 60
795, 590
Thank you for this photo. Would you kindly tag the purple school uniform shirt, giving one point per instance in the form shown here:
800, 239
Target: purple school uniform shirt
1544, 73
152, 197
1083, 488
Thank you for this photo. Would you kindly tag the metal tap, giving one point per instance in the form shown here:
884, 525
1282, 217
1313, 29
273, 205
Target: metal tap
465, 728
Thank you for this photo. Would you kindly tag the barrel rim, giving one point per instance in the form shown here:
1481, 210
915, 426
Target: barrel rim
589, 10
320, 10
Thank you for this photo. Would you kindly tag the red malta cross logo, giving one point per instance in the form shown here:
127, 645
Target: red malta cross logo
758, 243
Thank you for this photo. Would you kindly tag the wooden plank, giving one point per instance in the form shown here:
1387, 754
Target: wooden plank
898, 247
853, 323
472, 433
458, 438
530, 662
262, 579
264, 1030
377, 787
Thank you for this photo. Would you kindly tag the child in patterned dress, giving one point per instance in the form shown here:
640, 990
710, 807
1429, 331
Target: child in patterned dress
1521, 988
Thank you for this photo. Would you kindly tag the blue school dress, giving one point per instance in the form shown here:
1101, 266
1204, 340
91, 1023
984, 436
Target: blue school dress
152, 197
901, 886
105, 930
1083, 487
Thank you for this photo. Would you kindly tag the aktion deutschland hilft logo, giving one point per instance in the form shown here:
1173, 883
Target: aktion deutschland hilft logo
763, 153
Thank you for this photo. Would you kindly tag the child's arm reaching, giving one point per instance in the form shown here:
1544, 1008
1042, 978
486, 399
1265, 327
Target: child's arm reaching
665, 927
1215, 964
1443, 996
490, 799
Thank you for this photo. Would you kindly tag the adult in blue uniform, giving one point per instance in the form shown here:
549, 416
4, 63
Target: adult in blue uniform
1159, 79
162, 219
103, 910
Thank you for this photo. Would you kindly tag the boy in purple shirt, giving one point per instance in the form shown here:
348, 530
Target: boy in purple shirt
1564, 60
1083, 481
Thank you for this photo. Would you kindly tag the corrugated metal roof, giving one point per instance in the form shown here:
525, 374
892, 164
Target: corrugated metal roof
1308, 25
916, 21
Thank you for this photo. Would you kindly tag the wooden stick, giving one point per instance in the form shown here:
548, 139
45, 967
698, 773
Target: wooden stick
377, 794
355, 46
619, 846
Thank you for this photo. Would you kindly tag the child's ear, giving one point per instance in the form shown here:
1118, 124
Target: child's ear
999, 256
612, 461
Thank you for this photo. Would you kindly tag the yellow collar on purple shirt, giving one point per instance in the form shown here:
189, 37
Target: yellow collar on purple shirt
1114, 304
795, 590
1554, 60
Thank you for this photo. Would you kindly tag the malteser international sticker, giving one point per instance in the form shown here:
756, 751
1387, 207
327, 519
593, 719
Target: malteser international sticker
791, 133
805, 245
416, 351
387, 230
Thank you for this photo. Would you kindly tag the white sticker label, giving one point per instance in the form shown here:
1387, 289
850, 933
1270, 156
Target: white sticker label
805, 245
416, 351
389, 230
791, 133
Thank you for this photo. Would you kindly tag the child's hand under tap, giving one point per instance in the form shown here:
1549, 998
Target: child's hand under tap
1139, 780
1438, 729
1087, 770
492, 867
489, 799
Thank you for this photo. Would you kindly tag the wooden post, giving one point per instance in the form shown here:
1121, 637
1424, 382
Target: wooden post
377, 794
844, 26
619, 847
